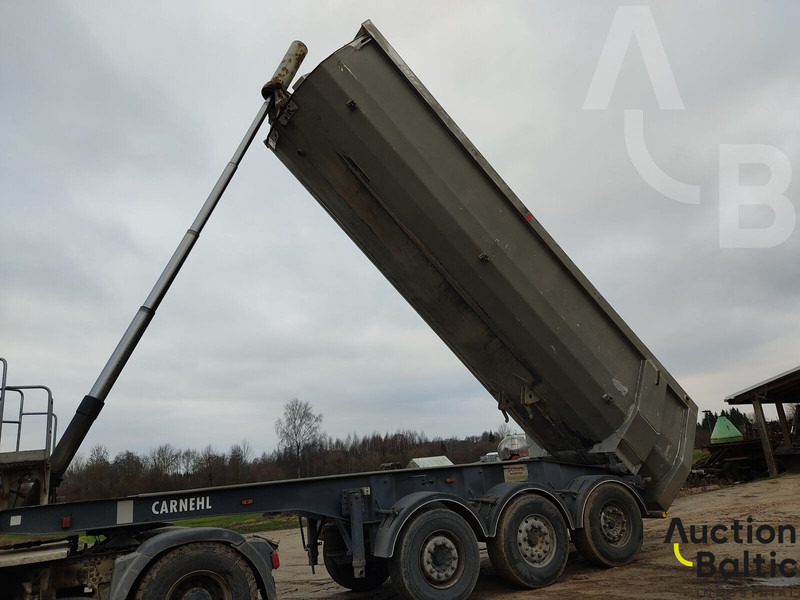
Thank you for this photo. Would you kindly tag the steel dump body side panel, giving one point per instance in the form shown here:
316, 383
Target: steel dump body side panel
383, 158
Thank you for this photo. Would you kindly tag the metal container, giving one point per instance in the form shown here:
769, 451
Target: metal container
376, 150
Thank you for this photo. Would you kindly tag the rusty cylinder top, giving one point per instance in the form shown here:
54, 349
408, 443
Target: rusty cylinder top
287, 69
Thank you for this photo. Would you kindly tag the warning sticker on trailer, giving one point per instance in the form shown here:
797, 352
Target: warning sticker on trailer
515, 473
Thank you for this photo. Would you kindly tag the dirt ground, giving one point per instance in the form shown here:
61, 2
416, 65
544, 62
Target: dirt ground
656, 573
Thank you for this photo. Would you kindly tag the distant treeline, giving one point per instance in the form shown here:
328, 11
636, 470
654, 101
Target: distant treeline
98, 475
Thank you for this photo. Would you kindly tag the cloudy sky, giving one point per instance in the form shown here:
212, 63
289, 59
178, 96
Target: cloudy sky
655, 143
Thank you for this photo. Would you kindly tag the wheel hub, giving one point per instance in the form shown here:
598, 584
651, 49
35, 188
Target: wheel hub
439, 560
614, 524
200, 585
196, 594
535, 537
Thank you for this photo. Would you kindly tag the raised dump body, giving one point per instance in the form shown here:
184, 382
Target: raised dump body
377, 151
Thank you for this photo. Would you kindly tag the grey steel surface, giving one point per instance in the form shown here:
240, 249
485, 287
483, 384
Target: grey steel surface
376, 150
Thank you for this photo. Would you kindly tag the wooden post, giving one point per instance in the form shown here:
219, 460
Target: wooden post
761, 423
787, 440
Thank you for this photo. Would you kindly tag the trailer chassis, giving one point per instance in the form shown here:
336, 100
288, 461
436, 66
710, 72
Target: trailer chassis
368, 524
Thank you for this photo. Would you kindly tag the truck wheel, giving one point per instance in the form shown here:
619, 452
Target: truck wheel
532, 543
340, 568
203, 570
612, 527
436, 557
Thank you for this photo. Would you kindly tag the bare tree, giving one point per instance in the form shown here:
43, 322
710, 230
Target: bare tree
98, 456
244, 449
129, 465
164, 461
188, 460
97, 472
298, 428
504, 430
210, 466
239, 461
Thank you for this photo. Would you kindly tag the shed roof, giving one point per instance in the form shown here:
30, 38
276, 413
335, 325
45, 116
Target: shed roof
783, 388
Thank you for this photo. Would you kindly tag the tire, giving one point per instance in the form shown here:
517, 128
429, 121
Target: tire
531, 547
612, 530
199, 570
340, 567
436, 557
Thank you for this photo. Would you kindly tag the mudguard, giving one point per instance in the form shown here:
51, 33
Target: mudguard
583, 487
128, 567
409, 505
501, 495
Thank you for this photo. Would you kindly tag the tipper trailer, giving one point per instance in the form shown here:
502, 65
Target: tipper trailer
614, 430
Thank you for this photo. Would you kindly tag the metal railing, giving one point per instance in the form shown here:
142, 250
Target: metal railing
51, 420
